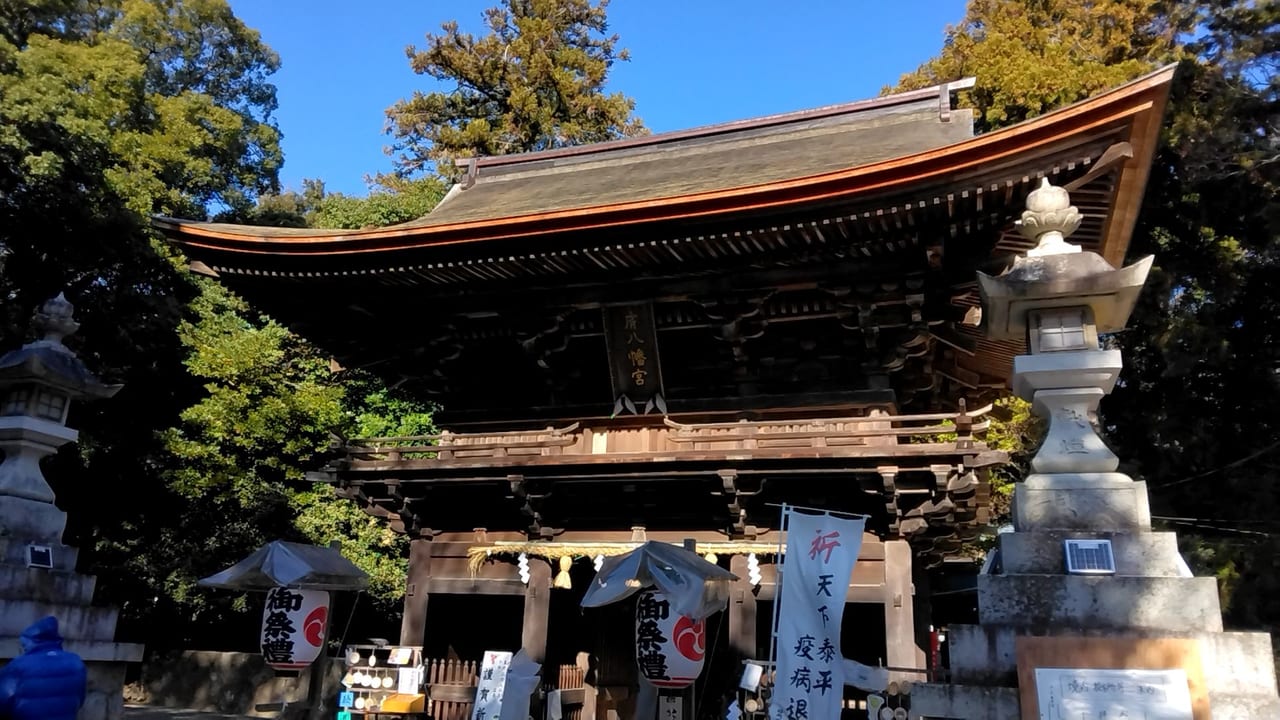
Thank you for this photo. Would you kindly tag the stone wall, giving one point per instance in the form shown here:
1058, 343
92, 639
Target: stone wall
224, 682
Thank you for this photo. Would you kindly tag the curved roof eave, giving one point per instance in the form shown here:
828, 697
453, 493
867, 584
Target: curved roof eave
1144, 96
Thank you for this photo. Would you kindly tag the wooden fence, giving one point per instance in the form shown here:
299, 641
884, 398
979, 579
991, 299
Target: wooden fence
571, 682
451, 689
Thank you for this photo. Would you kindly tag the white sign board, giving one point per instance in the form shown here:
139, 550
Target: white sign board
493, 681
408, 680
670, 707
669, 648
293, 624
1089, 694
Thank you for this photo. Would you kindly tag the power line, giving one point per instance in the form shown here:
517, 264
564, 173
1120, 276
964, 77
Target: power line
1228, 466
1225, 521
1220, 528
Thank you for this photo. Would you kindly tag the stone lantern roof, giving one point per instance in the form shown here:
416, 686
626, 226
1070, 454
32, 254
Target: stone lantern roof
1057, 273
48, 362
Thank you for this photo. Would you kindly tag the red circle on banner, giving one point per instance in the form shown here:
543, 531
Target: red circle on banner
690, 638
313, 626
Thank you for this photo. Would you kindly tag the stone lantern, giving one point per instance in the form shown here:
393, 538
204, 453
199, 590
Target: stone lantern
1059, 299
1083, 587
38, 382
38, 577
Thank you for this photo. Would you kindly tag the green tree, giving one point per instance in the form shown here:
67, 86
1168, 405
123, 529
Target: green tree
240, 454
1193, 413
392, 200
111, 110
536, 81
1032, 56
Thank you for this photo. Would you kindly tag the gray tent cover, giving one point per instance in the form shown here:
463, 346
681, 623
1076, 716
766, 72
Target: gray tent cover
292, 565
695, 587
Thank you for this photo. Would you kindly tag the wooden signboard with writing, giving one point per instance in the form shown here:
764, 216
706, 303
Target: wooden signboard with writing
1109, 653
631, 339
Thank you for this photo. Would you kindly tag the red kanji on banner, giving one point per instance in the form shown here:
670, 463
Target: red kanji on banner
824, 543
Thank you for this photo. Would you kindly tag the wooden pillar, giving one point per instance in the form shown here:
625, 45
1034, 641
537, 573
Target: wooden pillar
588, 687
537, 610
923, 609
901, 650
413, 624
742, 611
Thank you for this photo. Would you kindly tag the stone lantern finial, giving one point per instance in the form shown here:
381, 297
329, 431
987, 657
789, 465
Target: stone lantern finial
1048, 220
54, 320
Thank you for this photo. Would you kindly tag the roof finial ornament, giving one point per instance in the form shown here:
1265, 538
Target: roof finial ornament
1049, 219
54, 320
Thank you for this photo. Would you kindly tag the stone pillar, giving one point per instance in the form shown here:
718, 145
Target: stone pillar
901, 650
37, 572
1059, 299
413, 624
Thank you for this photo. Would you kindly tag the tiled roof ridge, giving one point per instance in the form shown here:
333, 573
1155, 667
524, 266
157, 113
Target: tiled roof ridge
941, 92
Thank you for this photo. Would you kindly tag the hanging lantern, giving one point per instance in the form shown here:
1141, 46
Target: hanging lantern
293, 627
669, 648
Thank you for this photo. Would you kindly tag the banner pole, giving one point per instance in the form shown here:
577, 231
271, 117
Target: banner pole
784, 524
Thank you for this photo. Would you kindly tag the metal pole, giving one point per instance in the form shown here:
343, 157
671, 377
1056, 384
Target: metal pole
687, 695
777, 590
320, 668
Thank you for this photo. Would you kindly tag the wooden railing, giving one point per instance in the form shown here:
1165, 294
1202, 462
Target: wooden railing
831, 432
448, 445
674, 437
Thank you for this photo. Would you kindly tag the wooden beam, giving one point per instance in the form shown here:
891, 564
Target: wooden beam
413, 625
475, 586
566, 461
1132, 183
742, 612
1114, 156
537, 611
901, 650
456, 544
855, 594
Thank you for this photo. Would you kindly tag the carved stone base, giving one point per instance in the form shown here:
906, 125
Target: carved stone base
1149, 554
1087, 501
31, 520
1042, 603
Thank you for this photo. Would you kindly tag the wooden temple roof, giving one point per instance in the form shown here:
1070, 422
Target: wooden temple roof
870, 216
678, 164
809, 280
867, 148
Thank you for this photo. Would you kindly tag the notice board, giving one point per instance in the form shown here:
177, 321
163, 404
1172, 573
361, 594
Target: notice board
1101, 653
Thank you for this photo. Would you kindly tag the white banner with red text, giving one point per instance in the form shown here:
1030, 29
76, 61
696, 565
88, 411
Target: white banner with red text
813, 585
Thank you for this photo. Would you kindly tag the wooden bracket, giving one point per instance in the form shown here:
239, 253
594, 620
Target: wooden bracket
531, 506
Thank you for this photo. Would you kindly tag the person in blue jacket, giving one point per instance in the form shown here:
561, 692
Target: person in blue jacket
45, 682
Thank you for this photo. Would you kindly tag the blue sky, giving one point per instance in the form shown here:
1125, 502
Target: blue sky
693, 62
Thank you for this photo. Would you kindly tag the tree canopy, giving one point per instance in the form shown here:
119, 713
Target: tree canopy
536, 81
1193, 412
111, 110
392, 200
